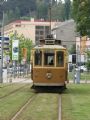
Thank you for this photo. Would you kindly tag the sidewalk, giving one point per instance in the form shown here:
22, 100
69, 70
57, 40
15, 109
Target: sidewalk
17, 80
81, 81
21, 80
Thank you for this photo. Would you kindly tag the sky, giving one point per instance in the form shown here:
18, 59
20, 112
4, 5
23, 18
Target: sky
63, 0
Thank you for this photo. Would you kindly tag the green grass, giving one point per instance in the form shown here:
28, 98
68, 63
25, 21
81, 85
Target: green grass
10, 104
76, 102
44, 107
83, 76
8, 88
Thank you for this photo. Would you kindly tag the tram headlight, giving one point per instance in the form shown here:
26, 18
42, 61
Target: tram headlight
48, 75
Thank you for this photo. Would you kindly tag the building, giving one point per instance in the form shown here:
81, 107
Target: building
6, 43
65, 32
82, 45
33, 29
6, 57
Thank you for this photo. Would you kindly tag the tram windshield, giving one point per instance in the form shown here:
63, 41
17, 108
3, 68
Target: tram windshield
49, 57
60, 59
38, 57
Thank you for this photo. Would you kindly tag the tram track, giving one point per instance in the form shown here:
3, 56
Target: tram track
28, 102
12, 92
59, 107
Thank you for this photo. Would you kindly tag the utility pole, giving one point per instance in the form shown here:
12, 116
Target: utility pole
78, 62
2, 47
2, 44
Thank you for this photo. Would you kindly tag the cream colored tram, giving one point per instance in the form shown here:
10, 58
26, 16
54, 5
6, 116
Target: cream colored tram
49, 64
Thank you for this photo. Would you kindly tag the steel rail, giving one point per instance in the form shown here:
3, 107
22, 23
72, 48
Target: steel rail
59, 108
12, 92
23, 107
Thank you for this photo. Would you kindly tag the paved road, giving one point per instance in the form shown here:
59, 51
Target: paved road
7, 79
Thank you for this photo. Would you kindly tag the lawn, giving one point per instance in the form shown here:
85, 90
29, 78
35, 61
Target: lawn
76, 102
83, 76
44, 107
10, 104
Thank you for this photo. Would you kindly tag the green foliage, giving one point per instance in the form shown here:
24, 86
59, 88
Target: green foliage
0, 12
58, 12
81, 14
88, 60
16, 9
73, 49
42, 10
23, 43
67, 9
39, 9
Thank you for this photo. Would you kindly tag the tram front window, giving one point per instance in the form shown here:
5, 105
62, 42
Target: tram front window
49, 57
38, 57
60, 59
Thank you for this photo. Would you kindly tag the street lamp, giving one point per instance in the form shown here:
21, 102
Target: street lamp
2, 46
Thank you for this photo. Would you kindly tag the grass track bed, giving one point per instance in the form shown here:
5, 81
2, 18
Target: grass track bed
76, 102
9, 89
5, 84
44, 107
10, 105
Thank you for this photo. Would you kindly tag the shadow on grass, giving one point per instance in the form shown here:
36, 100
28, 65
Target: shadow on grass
48, 89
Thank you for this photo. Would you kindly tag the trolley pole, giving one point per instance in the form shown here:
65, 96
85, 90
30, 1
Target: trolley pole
50, 3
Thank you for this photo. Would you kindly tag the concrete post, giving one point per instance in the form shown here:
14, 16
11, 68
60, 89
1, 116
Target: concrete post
77, 76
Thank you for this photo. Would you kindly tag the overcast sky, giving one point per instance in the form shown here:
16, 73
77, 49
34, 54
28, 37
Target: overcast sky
63, 0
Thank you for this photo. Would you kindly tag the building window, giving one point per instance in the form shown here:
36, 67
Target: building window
39, 27
41, 32
18, 25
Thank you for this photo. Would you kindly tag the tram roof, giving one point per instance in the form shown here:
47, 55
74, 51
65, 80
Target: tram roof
49, 47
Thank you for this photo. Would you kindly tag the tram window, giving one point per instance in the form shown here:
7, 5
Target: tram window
38, 57
49, 58
60, 59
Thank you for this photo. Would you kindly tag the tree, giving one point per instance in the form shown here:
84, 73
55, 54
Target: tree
0, 12
73, 49
88, 60
16, 9
39, 9
57, 12
67, 9
23, 43
42, 9
81, 14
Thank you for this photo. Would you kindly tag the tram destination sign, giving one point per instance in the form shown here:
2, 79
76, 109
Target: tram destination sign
49, 51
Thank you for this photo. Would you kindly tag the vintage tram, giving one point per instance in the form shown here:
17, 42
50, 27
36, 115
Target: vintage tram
49, 63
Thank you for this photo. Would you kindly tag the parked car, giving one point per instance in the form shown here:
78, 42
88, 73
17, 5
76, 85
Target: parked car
82, 68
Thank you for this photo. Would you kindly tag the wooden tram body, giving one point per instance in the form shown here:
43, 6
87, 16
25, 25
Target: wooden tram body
49, 64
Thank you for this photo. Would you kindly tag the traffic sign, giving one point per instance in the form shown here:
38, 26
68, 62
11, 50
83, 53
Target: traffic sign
15, 49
